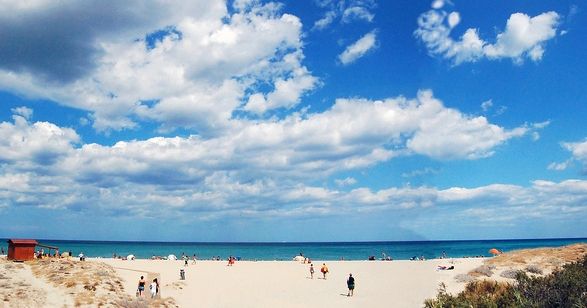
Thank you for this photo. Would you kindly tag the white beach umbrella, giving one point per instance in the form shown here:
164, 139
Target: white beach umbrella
299, 258
171, 257
130, 257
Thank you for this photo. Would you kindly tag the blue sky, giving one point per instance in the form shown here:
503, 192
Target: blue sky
293, 121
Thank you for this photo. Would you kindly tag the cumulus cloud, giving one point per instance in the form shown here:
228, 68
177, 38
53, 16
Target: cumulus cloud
258, 169
523, 37
188, 65
359, 48
23, 111
28, 145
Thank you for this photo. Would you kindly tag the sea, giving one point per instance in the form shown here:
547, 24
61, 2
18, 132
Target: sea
265, 251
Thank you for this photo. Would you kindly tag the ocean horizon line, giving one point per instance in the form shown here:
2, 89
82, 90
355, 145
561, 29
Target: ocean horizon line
299, 242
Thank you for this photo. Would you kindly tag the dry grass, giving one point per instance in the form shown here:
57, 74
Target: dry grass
92, 284
483, 270
539, 261
547, 259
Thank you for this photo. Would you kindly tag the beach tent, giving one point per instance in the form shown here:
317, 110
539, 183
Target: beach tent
299, 258
171, 257
130, 257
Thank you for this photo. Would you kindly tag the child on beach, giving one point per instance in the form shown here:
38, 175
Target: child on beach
324, 270
311, 271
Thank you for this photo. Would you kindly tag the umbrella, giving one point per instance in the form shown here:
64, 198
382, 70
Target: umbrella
171, 257
130, 257
494, 251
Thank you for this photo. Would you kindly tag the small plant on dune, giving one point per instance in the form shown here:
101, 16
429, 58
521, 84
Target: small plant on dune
534, 269
563, 288
509, 273
485, 270
464, 278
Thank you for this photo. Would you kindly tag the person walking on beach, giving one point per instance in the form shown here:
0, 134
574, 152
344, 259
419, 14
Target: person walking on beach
351, 284
154, 288
141, 287
311, 271
324, 270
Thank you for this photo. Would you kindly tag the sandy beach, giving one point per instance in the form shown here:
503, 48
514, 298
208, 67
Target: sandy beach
97, 282
288, 283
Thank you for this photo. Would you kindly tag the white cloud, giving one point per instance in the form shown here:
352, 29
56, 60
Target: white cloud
28, 145
359, 48
419, 173
437, 4
579, 151
346, 181
287, 91
524, 37
454, 18
23, 111
357, 12
559, 166
194, 74
257, 169
347, 11
486, 105
325, 21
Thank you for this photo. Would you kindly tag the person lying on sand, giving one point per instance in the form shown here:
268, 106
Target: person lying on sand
444, 268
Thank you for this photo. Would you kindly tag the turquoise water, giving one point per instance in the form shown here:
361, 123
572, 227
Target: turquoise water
316, 251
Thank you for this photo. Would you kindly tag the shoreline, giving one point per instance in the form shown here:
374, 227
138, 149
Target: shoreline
67, 282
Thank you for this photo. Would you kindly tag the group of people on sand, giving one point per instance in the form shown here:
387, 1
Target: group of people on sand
324, 270
231, 261
153, 287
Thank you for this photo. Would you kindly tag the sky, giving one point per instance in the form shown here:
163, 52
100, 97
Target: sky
323, 120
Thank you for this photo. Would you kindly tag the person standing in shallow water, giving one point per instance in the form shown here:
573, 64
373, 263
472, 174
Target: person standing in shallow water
350, 282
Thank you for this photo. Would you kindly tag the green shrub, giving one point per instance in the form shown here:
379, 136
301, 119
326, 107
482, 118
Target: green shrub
564, 288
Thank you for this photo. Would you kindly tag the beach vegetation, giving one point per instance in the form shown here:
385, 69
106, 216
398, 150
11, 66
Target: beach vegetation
566, 287
509, 273
534, 269
483, 270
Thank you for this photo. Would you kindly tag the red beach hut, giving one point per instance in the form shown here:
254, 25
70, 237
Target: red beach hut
21, 250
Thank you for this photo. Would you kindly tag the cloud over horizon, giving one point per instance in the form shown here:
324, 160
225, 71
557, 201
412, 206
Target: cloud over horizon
257, 160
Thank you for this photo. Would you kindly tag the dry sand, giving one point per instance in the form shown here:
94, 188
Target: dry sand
65, 283
288, 284
112, 282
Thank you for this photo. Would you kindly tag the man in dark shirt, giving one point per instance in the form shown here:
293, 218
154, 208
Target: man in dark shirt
351, 284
